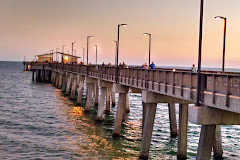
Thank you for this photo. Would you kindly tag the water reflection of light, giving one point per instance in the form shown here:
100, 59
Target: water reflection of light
77, 111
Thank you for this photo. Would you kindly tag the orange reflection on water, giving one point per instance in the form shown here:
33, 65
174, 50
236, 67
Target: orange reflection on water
77, 111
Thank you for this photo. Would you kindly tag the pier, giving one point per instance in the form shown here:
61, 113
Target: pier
219, 98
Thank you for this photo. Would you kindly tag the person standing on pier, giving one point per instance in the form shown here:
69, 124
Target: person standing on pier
152, 66
194, 69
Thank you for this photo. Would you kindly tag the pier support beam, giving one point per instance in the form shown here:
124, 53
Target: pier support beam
144, 110
90, 91
206, 142
108, 106
64, 81
217, 143
32, 75
57, 79
96, 94
104, 87
74, 86
183, 127
69, 83
127, 103
172, 119
80, 80
61, 79
101, 104
113, 98
147, 130
121, 107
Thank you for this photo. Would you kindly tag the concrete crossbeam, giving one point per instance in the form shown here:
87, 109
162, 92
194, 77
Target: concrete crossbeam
211, 116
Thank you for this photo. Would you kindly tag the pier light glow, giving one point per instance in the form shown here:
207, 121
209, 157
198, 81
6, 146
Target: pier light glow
145, 34
124, 25
220, 17
174, 70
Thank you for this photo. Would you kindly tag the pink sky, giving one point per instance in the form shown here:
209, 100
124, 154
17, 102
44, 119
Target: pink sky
31, 27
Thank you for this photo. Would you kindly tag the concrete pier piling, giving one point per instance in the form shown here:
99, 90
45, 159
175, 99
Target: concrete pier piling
217, 144
74, 86
108, 99
101, 104
57, 79
69, 83
90, 88
147, 130
183, 128
113, 98
96, 94
64, 81
104, 87
127, 104
90, 82
80, 80
206, 142
172, 119
144, 110
121, 107
60, 79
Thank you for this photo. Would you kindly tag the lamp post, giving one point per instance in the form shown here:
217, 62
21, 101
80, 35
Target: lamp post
72, 53
72, 50
200, 54
63, 51
224, 39
115, 52
87, 46
83, 53
57, 53
119, 25
150, 38
96, 53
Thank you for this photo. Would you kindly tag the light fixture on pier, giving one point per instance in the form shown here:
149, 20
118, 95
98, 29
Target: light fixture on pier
83, 54
87, 45
63, 51
224, 39
117, 73
149, 54
96, 53
113, 41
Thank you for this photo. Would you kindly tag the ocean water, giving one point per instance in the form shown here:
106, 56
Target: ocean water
38, 122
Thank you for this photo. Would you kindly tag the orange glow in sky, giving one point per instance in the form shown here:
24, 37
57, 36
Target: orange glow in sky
32, 27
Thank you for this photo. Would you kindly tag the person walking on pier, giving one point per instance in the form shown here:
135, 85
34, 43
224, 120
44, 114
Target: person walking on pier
194, 69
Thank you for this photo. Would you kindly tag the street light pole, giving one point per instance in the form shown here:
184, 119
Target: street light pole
224, 40
57, 53
115, 51
150, 39
117, 74
72, 53
83, 54
63, 51
96, 53
87, 46
200, 55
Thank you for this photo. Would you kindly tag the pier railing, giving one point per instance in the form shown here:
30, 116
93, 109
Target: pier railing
178, 83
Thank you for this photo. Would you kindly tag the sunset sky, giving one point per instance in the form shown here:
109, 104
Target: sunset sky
31, 27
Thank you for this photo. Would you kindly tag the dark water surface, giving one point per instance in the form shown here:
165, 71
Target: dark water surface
38, 121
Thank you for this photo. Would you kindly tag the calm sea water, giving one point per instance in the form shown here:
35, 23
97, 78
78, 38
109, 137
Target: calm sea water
38, 122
